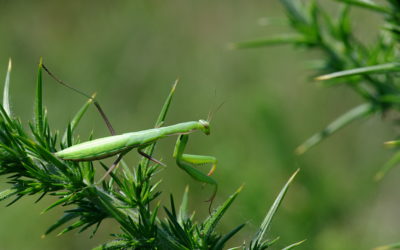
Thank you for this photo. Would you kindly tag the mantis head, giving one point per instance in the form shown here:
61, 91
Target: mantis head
205, 126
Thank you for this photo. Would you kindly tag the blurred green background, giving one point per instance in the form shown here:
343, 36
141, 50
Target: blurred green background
130, 53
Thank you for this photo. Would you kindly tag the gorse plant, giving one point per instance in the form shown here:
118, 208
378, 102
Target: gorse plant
370, 70
29, 162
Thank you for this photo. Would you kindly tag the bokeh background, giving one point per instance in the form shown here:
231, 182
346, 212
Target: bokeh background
130, 53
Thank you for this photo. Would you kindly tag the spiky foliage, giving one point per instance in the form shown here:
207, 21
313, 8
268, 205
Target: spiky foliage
369, 70
28, 162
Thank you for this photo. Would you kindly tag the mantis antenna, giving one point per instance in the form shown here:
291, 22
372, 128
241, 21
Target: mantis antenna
212, 112
97, 105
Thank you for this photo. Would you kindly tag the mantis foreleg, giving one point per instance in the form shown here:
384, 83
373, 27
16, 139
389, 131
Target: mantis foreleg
184, 161
201, 160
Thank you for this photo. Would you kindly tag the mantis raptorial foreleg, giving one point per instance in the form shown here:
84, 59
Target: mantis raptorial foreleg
184, 161
200, 160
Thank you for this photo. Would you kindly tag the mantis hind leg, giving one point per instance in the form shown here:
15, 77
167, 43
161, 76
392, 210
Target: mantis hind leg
114, 165
185, 162
149, 157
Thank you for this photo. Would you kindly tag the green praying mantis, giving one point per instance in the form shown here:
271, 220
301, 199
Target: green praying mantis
121, 144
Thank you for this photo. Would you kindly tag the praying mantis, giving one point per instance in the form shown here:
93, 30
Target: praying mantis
121, 144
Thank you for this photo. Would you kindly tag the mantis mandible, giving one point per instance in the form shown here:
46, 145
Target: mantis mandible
121, 144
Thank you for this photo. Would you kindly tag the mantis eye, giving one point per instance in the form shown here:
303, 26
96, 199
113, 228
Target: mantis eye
204, 123
206, 126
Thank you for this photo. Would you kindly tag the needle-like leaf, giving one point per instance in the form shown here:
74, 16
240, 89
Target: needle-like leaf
356, 113
277, 40
66, 218
7, 193
112, 245
160, 120
368, 4
291, 246
395, 160
221, 242
183, 213
6, 92
39, 117
369, 70
78, 116
265, 225
212, 221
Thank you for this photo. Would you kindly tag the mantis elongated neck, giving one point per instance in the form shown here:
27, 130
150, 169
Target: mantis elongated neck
182, 128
